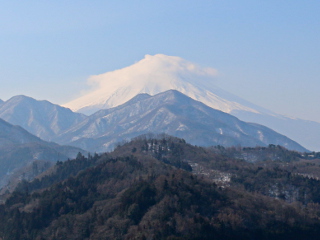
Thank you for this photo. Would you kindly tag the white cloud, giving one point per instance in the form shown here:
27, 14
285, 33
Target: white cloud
156, 68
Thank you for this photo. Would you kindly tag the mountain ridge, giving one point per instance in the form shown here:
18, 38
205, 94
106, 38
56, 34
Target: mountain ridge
141, 113
173, 113
42, 118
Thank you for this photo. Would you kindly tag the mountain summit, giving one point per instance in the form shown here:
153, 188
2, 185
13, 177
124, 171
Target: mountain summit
153, 75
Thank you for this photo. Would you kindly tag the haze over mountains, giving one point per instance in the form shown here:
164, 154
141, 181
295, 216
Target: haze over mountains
19, 148
158, 73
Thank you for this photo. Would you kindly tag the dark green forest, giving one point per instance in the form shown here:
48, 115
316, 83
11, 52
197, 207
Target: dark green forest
164, 188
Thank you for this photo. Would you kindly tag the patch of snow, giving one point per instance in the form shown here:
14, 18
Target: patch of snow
220, 131
261, 136
182, 127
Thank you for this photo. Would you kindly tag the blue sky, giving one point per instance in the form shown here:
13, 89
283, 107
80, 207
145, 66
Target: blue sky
267, 52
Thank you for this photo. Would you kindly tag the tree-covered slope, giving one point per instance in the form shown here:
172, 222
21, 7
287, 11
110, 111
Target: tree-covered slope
162, 188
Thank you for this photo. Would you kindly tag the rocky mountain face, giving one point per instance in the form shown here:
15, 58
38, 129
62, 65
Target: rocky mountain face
19, 148
40, 118
159, 73
173, 113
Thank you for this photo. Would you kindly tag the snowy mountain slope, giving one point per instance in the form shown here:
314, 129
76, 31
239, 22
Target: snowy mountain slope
173, 113
41, 118
158, 73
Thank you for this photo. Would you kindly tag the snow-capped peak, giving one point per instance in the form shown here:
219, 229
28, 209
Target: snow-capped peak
152, 75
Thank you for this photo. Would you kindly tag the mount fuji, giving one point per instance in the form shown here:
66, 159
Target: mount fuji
153, 75
159, 73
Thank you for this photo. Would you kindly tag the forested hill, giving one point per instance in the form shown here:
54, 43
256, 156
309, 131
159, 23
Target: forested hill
164, 188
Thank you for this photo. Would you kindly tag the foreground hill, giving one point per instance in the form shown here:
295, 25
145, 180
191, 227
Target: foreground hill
173, 113
141, 191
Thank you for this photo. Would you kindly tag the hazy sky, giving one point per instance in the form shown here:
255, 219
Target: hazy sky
267, 52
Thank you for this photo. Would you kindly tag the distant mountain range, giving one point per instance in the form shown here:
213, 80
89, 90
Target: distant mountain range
169, 112
159, 73
140, 99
